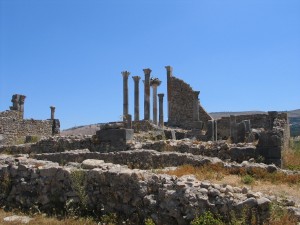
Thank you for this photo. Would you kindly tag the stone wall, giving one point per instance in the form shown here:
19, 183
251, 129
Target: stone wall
13, 129
102, 188
181, 104
258, 121
271, 130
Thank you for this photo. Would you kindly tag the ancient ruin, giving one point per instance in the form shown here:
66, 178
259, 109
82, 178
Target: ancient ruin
115, 170
15, 129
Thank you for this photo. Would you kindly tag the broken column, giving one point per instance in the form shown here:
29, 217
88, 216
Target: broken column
18, 104
52, 108
125, 75
169, 86
196, 106
210, 134
147, 73
136, 80
233, 128
161, 110
154, 84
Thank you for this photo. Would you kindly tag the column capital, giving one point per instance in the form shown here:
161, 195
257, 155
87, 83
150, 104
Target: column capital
155, 82
125, 73
196, 93
161, 95
147, 71
136, 78
169, 68
52, 107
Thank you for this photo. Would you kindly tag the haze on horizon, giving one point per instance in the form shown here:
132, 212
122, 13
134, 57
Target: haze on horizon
241, 55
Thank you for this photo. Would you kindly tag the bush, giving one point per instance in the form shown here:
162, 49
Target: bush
149, 222
207, 218
247, 179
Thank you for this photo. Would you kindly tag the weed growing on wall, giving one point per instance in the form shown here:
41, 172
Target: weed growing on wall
149, 222
78, 183
207, 218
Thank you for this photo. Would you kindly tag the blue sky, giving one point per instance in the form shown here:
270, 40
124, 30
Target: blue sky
241, 55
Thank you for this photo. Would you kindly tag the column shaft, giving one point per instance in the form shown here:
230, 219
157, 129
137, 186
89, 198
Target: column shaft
161, 110
154, 104
125, 92
136, 98
52, 112
147, 94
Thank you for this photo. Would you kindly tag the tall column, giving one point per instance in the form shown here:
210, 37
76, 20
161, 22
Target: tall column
136, 80
196, 106
125, 75
233, 133
52, 108
169, 87
154, 84
161, 110
147, 73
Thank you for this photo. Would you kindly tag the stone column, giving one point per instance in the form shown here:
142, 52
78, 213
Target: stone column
196, 106
125, 75
21, 102
136, 80
169, 87
161, 110
52, 108
15, 102
147, 73
154, 84
233, 126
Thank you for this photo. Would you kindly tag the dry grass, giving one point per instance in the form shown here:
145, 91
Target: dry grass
291, 156
43, 220
291, 159
218, 172
281, 216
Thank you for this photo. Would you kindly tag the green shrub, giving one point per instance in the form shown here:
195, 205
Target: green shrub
109, 219
247, 179
207, 218
78, 183
149, 222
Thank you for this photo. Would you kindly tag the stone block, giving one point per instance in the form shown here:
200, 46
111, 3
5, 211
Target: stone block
115, 135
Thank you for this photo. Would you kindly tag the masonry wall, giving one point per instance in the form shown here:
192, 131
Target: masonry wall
13, 129
181, 104
257, 121
103, 188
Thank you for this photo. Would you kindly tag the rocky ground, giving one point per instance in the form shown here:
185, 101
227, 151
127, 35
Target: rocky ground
139, 183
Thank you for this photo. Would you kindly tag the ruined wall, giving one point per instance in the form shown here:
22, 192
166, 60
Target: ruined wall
14, 129
258, 121
181, 104
273, 133
204, 116
108, 188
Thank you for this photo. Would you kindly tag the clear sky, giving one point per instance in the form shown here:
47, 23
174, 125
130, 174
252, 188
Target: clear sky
241, 54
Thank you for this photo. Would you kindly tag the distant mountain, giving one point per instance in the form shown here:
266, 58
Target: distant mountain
81, 130
294, 113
